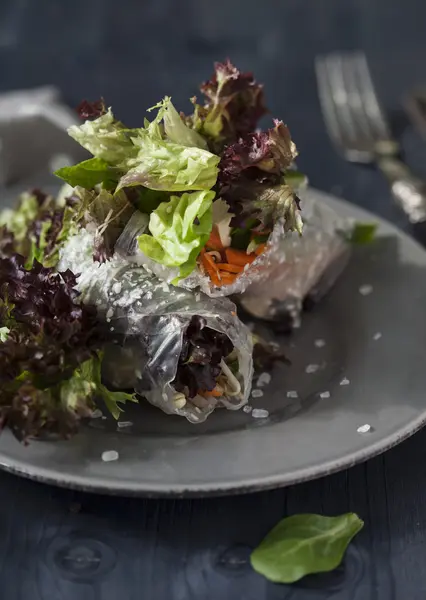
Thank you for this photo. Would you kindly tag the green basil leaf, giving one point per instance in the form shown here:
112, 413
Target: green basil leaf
88, 173
362, 233
304, 544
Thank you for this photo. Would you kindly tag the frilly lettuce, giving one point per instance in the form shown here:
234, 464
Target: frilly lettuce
106, 138
179, 228
175, 129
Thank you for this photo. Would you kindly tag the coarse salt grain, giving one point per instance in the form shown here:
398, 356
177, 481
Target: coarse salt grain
325, 395
257, 394
247, 408
197, 297
292, 394
345, 381
138, 374
259, 413
96, 414
109, 455
312, 368
319, 343
122, 424
365, 290
116, 288
377, 336
263, 379
364, 428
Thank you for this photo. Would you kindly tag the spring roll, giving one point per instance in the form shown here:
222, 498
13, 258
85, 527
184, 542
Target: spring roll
189, 353
305, 267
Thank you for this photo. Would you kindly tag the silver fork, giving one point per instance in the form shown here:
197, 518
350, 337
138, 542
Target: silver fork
357, 125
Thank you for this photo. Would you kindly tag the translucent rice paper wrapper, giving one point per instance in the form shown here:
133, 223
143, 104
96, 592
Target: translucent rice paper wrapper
306, 266
257, 271
152, 317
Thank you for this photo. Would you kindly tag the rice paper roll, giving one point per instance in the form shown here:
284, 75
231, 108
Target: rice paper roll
158, 323
257, 271
304, 267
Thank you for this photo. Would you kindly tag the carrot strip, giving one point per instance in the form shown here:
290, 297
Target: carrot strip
226, 278
211, 268
214, 240
230, 268
208, 393
260, 249
238, 257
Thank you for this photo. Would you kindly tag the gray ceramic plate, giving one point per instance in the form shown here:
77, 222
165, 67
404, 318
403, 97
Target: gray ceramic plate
302, 439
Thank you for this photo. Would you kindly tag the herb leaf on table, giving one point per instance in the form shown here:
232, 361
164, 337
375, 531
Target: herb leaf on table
303, 544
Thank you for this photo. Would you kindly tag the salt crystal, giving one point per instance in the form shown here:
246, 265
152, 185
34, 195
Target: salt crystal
109, 455
366, 289
377, 336
364, 428
263, 379
111, 328
325, 395
312, 368
165, 286
247, 408
345, 381
165, 396
138, 374
103, 418
122, 424
116, 288
259, 413
257, 394
96, 414
320, 343
292, 394
197, 297
109, 314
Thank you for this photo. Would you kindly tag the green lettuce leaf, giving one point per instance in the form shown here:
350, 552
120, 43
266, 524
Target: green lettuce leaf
39, 226
106, 138
88, 377
4, 332
167, 166
304, 544
18, 220
179, 228
89, 173
175, 129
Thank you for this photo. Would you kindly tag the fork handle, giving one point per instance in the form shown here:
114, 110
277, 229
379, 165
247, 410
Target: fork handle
408, 190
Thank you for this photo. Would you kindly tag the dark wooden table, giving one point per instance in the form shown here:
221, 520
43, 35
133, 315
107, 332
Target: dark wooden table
62, 545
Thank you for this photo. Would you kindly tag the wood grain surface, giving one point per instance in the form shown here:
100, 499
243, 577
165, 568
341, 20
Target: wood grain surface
61, 545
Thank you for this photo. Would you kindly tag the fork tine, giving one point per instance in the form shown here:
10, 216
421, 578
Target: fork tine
326, 100
369, 97
355, 100
337, 107
334, 100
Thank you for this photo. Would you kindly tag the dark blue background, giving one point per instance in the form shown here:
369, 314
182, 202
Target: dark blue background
62, 545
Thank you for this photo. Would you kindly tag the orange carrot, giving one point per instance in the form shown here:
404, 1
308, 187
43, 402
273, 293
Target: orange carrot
229, 268
260, 249
214, 240
238, 257
215, 393
211, 268
227, 278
